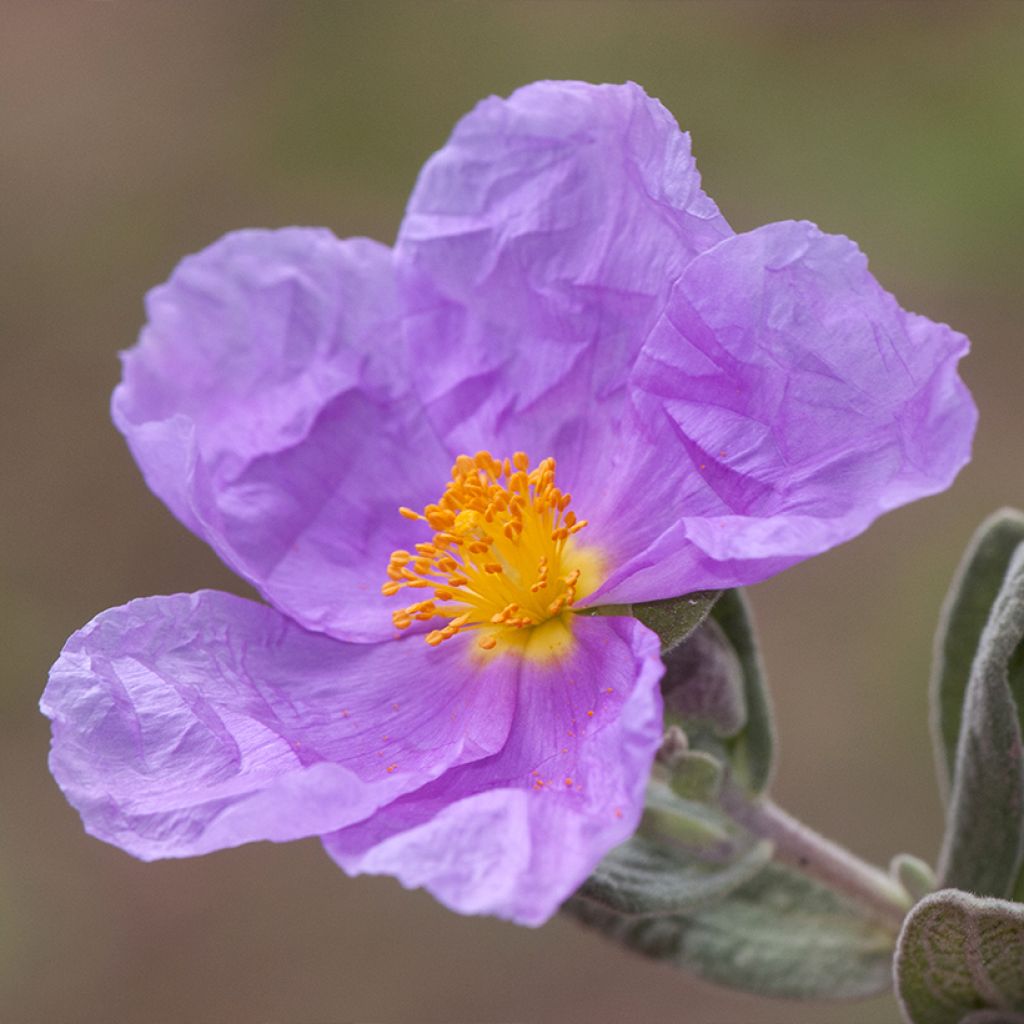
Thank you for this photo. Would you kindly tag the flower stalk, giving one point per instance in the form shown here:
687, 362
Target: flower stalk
800, 847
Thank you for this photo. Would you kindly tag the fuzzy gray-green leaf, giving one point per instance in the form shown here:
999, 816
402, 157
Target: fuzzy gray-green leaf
914, 874
964, 614
961, 958
683, 855
982, 847
778, 934
697, 776
642, 877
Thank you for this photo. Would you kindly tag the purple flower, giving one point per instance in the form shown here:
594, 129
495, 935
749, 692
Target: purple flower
562, 296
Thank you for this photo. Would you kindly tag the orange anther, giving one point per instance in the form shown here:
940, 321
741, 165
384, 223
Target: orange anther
499, 530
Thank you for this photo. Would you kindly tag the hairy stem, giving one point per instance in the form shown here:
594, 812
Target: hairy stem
800, 847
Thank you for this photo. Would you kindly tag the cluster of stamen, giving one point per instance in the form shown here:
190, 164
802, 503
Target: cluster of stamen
496, 560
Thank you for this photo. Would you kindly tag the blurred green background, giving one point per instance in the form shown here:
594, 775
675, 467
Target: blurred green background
133, 134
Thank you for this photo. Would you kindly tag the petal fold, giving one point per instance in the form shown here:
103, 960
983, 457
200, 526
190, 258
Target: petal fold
781, 403
515, 834
266, 405
190, 723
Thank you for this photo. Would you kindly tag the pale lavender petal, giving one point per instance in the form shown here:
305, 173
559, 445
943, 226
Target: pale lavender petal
191, 723
515, 834
782, 402
266, 405
537, 248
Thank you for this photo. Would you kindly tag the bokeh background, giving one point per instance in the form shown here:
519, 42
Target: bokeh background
131, 134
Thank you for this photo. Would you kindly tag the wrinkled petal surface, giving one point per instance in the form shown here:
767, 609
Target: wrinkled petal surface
266, 406
720, 406
782, 402
515, 834
190, 723
537, 248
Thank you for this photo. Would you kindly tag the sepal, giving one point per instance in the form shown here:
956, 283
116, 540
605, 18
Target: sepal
714, 689
752, 750
673, 618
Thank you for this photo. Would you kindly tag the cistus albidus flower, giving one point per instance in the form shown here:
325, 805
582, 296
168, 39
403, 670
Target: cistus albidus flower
569, 384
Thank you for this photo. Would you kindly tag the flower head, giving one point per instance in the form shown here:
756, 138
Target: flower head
569, 384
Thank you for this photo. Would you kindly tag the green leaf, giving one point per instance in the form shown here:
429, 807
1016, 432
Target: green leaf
697, 776
982, 846
914, 874
675, 618
683, 855
777, 934
964, 614
752, 749
690, 828
958, 956
643, 877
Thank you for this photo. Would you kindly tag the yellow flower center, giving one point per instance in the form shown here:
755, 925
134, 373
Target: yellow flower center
503, 557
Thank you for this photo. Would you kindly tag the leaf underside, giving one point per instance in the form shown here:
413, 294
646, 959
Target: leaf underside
960, 960
778, 934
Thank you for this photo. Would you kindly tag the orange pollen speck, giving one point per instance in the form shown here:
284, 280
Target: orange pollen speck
497, 559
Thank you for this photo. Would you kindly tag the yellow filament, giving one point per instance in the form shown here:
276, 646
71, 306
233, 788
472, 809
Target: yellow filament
503, 556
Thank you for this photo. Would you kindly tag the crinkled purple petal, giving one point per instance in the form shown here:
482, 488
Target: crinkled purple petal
782, 402
191, 723
266, 406
537, 248
515, 834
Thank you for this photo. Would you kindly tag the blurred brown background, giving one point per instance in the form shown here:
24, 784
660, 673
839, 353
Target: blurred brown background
133, 134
